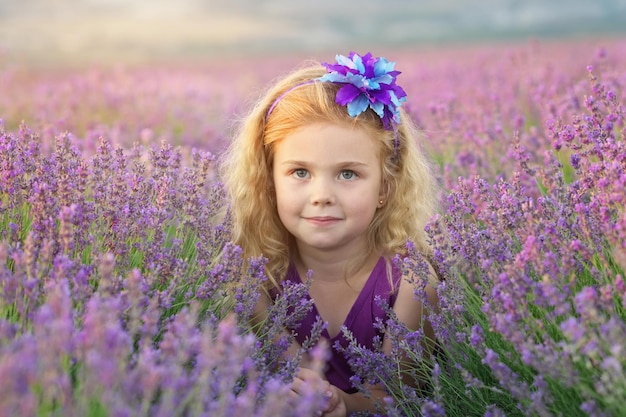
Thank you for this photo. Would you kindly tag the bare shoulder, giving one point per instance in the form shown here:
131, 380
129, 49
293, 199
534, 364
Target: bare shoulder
261, 308
413, 294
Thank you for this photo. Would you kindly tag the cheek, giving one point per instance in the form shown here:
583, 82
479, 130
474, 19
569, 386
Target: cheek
284, 197
278, 189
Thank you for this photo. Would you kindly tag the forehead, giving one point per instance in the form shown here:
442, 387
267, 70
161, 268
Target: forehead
331, 142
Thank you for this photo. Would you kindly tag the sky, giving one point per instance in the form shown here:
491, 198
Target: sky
92, 30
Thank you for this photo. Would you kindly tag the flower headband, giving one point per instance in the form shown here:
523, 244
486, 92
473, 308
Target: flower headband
368, 82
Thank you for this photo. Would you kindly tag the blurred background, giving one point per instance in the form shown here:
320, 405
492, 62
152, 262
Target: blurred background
89, 31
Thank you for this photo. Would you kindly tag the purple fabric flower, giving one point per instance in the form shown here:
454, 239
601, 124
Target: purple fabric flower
368, 82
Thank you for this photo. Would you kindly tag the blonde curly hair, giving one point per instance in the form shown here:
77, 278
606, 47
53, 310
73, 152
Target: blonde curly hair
246, 169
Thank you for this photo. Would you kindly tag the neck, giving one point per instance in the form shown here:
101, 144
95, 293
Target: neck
334, 265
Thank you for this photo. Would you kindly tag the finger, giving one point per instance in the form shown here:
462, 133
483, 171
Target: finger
307, 374
293, 395
332, 399
297, 385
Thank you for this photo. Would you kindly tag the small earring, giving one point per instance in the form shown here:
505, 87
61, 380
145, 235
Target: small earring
380, 202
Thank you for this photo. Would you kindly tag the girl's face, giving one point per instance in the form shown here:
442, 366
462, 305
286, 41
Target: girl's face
327, 179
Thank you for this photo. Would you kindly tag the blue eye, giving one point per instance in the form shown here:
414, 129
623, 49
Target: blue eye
347, 174
300, 173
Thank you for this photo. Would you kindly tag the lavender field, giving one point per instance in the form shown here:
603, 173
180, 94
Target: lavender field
120, 294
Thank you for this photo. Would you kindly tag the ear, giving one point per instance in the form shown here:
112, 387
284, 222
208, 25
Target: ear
383, 194
384, 190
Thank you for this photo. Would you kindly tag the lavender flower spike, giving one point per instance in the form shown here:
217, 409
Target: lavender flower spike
368, 82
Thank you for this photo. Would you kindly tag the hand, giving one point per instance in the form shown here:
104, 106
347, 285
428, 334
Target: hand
336, 406
308, 379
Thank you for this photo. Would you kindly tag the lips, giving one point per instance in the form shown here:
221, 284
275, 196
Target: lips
322, 220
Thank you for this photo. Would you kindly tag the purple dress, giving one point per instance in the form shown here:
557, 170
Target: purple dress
359, 321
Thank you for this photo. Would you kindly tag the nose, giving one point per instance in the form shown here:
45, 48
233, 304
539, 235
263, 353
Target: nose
321, 193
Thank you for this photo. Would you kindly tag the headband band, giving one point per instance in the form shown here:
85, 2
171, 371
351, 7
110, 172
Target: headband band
284, 94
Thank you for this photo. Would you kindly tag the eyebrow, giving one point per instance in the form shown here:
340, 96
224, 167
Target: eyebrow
347, 164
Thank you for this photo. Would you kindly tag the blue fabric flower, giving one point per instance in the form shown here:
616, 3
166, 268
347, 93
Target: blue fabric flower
368, 82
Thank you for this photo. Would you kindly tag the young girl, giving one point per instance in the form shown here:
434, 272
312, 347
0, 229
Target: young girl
326, 176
